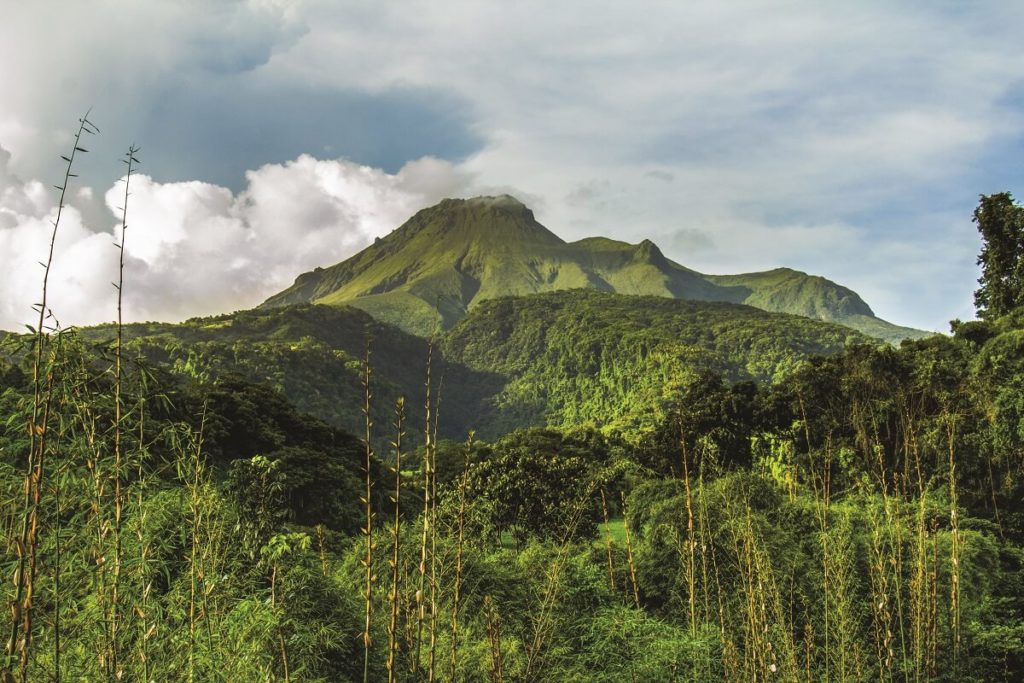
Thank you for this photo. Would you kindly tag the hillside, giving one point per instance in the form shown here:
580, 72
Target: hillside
430, 272
558, 358
314, 356
580, 357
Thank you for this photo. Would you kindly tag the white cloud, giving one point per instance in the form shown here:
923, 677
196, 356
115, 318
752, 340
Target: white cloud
194, 248
817, 135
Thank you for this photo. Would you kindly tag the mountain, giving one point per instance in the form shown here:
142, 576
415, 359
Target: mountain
429, 273
575, 358
567, 358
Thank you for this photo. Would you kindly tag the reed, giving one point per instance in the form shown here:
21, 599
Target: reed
394, 595
460, 546
19, 640
367, 501
608, 542
629, 553
118, 474
494, 640
425, 520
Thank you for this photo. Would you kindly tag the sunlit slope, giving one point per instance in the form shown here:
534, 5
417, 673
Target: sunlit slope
426, 275
594, 358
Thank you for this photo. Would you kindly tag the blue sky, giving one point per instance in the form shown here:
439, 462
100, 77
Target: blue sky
849, 140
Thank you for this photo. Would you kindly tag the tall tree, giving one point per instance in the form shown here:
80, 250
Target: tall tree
1001, 224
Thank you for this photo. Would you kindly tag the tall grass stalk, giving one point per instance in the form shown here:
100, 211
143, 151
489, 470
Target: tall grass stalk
629, 553
608, 542
367, 501
115, 589
427, 502
432, 452
955, 542
42, 392
146, 628
394, 596
494, 640
195, 476
460, 545
691, 542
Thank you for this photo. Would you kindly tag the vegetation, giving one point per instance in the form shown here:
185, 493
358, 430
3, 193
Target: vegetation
1001, 223
512, 363
584, 358
447, 259
780, 516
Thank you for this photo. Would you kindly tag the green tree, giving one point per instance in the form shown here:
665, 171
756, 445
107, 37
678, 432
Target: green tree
1001, 224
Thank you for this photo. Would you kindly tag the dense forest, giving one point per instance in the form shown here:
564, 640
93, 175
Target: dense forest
569, 358
855, 516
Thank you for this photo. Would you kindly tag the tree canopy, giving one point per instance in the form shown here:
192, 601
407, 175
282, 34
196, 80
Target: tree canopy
1000, 221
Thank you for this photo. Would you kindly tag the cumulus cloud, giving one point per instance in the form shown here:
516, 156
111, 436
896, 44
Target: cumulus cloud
195, 248
119, 57
840, 139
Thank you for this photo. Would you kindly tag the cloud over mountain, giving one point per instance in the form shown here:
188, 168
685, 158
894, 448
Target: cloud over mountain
848, 140
195, 248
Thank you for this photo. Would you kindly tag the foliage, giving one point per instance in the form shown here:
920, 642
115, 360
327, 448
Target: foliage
1000, 221
857, 516
445, 261
583, 358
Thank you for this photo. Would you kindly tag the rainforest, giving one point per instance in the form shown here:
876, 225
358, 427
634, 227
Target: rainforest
475, 452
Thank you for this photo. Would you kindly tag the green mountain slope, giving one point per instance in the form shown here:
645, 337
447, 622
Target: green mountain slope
560, 358
426, 275
314, 356
581, 357
812, 296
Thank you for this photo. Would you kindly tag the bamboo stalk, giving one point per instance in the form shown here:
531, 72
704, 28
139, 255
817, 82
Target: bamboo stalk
420, 592
608, 543
457, 589
24, 577
629, 553
396, 531
368, 529
115, 589
494, 639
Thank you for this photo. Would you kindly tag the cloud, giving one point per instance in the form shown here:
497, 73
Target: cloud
195, 248
823, 136
658, 174
187, 81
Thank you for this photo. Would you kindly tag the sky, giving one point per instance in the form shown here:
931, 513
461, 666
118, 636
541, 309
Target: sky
849, 140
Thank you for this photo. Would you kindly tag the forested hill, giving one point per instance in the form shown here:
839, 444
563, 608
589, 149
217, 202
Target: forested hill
858, 518
570, 357
582, 357
446, 259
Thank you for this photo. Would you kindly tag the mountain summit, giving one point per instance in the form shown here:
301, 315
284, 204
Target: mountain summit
444, 260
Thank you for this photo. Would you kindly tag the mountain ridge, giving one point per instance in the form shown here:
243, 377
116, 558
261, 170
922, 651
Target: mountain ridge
426, 274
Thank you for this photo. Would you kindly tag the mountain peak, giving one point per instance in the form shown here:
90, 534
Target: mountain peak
492, 219
428, 273
496, 201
